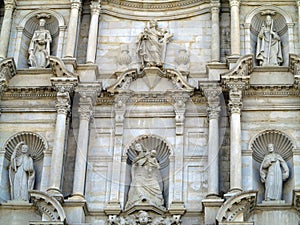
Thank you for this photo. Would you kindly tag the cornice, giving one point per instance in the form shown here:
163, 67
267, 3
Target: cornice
29, 93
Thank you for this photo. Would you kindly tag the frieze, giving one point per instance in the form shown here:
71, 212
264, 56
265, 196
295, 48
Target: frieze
271, 91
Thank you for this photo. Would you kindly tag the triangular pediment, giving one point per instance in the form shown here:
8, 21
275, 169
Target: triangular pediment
150, 79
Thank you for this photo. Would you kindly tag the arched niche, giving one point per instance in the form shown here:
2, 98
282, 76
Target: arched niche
164, 152
37, 146
284, 146
283, 25
55, 24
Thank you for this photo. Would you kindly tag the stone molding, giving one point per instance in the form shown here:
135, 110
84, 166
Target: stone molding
48, 206
37, 144
242, 203
7, 71
154, 6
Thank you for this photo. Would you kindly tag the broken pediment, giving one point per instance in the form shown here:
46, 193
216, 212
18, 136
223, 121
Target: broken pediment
150, 79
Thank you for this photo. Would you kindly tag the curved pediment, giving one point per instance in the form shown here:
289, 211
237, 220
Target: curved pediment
150, 79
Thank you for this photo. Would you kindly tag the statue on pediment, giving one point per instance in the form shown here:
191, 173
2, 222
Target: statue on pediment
151, 45
146, 178
39, 48
268, 49
273, 172
21, 173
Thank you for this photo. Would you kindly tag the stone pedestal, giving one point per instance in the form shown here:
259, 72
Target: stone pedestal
211, 208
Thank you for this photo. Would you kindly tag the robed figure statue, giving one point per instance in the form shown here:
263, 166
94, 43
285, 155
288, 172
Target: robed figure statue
145, 179
39, 48
268, 49
21, 173
273, 172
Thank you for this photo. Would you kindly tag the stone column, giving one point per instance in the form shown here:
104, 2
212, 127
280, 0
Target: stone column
93, 32
212, 94
215, 37
235, 27
85, 114
235, 106
72, 28
9, 6
177, 203
63, 107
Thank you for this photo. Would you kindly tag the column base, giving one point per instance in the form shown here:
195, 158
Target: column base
56, 193
212, 196
113, 208
232, 192
77, 197
177, 208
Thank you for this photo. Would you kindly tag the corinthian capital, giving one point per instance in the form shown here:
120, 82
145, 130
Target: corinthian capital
212, 93
85, 108
235, 100
215, 6
63, 100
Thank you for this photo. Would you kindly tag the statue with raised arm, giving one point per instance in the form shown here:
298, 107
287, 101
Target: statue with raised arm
39, 48
268, 49
151, 45
146, 178
21, 173
273, 171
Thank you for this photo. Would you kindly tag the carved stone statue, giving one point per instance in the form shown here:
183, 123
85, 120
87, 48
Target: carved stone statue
39, 48
151, 45
146, 179
273, 172
268, 49
21, 173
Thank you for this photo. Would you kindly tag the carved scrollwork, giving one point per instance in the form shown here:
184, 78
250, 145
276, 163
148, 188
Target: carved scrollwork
49, 207
240, 73
7, 71
242, 203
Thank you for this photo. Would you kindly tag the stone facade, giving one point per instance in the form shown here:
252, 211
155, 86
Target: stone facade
202, 86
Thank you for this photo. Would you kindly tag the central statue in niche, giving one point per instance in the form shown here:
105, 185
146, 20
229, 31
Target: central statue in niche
151, 45
146, 178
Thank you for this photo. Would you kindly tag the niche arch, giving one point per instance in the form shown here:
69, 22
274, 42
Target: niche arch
284, 145
55, 24
164, 152
283, 24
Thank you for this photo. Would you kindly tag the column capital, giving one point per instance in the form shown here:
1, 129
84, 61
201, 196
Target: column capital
63, 105
75, 4
212, 93
95, 8
298, 3
85, 108
7, 71
235, 100
215, 6
234, 3
89, 89
9, 4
